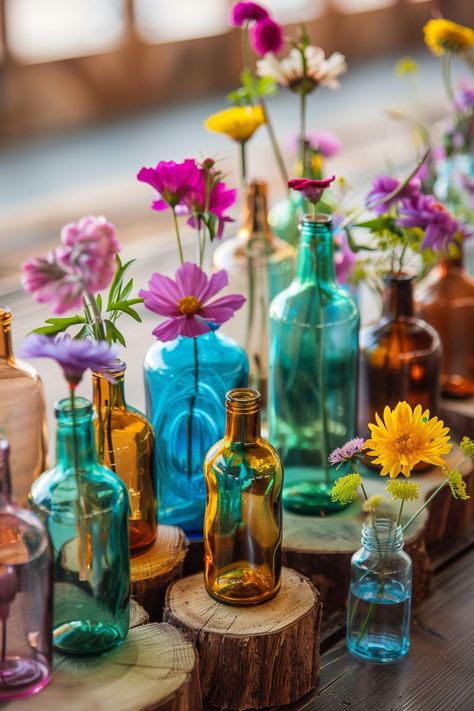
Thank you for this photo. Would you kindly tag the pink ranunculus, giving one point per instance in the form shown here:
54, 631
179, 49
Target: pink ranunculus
311, 189
173, 181
266, 36
185, 301
51, 283
243, 12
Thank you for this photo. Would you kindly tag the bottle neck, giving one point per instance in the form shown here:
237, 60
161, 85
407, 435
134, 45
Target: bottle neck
6, 350
255, 218
106, 394
398, 296
315, 259
5, 480
75, 435
243, 421
384, 537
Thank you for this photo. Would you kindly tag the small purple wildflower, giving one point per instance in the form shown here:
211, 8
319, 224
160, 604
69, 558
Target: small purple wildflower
378, 198
243, 12
266, 36
425, 212
347, 452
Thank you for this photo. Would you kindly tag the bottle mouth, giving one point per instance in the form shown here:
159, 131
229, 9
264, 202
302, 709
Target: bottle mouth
320, 218
243, 400
382, 537
398, 278
116, 369
64, 412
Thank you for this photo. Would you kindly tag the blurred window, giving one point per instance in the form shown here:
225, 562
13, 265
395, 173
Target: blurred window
293, 11
173, 20
353, 6
40, 30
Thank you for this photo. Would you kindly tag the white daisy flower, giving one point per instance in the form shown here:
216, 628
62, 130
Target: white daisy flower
290, 71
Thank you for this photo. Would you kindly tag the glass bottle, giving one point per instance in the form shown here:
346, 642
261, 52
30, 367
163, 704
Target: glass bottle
242, 529
84, 507
26, 595
378, 613
125, 442
22, 414
400, 357
445, 299
185, 384
259, 266
314, 329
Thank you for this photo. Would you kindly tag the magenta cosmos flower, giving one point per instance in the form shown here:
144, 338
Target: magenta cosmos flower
311, 189
379, 199
173, 181
347, 452
425, 212
266, 36
243, 12
50, 283
185, 301
221, 198
74, 356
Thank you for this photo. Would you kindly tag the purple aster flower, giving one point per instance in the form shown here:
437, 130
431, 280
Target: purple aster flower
311, 189
243, 12
379, 198
266, 36
74, 356
173, 181
425, 212
185, 301
465, 95
347, 452
324, 142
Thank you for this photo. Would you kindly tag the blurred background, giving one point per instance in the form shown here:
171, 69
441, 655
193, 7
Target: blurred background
91, 90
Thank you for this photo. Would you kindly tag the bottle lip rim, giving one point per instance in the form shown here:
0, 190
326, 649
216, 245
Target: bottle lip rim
242, 400
320, 218
117, 368
398, 277
82, 407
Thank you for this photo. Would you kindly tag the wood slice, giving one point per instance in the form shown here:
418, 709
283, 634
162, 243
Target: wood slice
138, 616
251, 657
156, 668
152, 571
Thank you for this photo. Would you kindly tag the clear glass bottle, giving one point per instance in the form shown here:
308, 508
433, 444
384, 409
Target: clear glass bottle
22, 414
125, 444
259, 266
378, 613
26, 595
242, 530
314, 329
185, 383
84, 507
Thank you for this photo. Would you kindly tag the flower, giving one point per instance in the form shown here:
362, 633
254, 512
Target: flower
406, 65
445, 36
456, 483
326, 143
311, 189
291, 72
202, 203
344, 257
74, 356
345, 488
243, 12
185, 302
373, 503
266, 36
50, 283
465, 95
403, 490
238, 122
467, 446
380, 196
425, 212
347, 452
173, 181
406, 437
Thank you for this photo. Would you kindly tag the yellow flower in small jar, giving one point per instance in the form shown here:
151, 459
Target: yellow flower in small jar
238, 122
446, 36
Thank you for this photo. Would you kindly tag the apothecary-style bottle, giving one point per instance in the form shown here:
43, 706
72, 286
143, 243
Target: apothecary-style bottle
125, 444
259, 266
242, 531
22, 414
314, 328
84, 507
26, 595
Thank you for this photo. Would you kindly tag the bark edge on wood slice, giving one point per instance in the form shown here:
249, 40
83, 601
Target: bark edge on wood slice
156, 668
251, 657
152, 571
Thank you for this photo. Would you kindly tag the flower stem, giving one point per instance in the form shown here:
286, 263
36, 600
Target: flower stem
99, 324
410, 520
243, 163
274, 143
303, 133
80, 504
192, 402
176, 227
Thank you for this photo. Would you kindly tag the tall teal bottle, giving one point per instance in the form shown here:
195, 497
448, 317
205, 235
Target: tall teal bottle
314, 330
84, 507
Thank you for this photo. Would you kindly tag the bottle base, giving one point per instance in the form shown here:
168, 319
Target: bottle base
378, 650
21, 677
84, 638
241, 588
310, 498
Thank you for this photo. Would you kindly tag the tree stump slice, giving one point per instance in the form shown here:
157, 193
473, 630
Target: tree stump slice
251, 657
155, 669
458, 415
152, 571
138, 616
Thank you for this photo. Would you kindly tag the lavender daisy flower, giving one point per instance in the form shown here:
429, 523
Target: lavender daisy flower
347, 452
425, 212
380, 196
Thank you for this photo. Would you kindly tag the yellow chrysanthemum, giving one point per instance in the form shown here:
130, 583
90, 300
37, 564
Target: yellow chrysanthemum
456, 483
406, 65
345, 488
373, 503
445, 36
406, 437
403, 490
467, 446
238, 122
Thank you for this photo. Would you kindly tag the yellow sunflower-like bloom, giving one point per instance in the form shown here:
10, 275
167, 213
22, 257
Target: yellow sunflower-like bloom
406, 437
445, 36
456, 483
345, 488
238, 122
403, 490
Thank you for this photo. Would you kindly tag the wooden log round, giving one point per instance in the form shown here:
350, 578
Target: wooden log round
156, 668
251, 657
152, 571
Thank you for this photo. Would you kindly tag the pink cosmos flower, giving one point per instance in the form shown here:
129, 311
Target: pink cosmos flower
379, 200
243, 12
185, 301
347, 452
266, 36
311, 189
324, 142
51, 283
221, 198
173, 181
425, 212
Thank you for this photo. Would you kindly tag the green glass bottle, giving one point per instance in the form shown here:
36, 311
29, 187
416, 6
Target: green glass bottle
84, 507
314, 330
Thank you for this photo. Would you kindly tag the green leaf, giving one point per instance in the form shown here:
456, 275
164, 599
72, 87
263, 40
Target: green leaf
126, 309
99, 302
58, 325
113, 334
126, 290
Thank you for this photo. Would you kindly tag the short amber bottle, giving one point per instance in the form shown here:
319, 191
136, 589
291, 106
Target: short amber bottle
242, 526
124, 440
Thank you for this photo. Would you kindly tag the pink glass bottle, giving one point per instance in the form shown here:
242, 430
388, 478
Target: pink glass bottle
25, 595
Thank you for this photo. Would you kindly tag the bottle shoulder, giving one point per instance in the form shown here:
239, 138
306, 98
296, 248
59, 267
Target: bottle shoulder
214, 349
22, 534
125, 419
259, 455
308, 302
407, 334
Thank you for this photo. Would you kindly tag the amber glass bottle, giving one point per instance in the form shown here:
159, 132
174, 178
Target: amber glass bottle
446, 300
124, 441
400, 356
242, 526
22, 414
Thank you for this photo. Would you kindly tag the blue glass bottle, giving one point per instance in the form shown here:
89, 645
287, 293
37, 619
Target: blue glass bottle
186, 381
84, 507
314, 330
378, 614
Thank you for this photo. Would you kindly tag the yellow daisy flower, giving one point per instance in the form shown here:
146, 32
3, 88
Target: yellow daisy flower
445, 36
406, 437
238, 122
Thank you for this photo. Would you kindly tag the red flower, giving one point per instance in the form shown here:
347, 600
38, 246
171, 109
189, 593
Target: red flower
311, 189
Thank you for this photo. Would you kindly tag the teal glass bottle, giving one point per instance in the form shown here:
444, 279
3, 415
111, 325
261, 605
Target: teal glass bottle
314, 330
84, 507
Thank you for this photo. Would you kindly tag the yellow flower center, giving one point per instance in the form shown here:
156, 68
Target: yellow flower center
406, 443
189, 305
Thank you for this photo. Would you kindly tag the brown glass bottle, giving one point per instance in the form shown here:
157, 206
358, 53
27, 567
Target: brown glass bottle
124, 441
446, 301
242, 525
400, 356
22, 414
